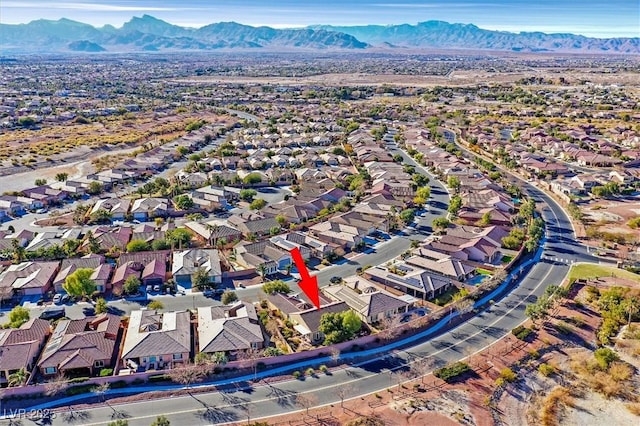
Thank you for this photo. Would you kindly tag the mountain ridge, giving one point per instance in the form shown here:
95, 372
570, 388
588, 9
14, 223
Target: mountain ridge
147, 34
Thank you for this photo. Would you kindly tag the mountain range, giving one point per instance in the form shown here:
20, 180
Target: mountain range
148, 34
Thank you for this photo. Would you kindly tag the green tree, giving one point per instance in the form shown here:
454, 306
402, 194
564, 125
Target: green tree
277, 286
485, 220
101, 306
252, 179
407, 215
160, 245
453, 182
441, 223
131, 285
95, 188
18, 316
179, 237
247, 194
137, 245
420, 180
228, 297
257, 204
161, 421
79, 283
455, 205
201, 280
155, 305
340, 326
183, 202
18, 378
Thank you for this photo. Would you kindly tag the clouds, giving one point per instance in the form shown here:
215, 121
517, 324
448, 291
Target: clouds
93, 7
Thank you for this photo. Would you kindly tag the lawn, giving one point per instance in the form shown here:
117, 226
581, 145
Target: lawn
446, 297
483, 271
506, 259
590, 270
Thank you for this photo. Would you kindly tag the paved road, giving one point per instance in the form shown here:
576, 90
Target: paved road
374, 375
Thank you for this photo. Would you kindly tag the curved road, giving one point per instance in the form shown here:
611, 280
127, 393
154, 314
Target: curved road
373, 375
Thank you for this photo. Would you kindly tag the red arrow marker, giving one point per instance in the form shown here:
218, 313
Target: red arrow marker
307, 283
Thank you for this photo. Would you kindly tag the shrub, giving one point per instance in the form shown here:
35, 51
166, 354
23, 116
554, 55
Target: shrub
323, 368
310, 371
521, 332
119, 384
534, 354
508, 375
159, 378
605, 357
450, 372
138, 381
296, 374
78, 379
546, 370
106, 372
77, 390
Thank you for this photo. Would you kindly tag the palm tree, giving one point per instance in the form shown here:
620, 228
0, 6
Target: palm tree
262, 270
213, 233
18, 378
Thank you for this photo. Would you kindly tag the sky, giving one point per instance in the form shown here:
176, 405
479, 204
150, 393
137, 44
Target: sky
594, 18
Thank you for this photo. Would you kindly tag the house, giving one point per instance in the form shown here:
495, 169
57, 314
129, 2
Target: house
347, 237
156, 341
447, 266
253, 224
229, 329
415, 281
117, 207
29, 278
213, 198
46, 194
20, 347
110, 238
48, 239
144, 209
81, 348
478, 249
276, 251
307, 322
101, 271
187, 262
214, 232
372, 305
317, 248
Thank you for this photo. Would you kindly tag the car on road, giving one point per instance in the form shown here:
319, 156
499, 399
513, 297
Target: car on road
52, 313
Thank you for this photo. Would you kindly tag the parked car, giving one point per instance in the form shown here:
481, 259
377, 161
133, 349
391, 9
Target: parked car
52, 313
57, 299
335, 280
65, 298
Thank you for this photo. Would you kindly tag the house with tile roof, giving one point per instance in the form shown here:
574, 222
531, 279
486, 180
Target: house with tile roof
415, 281
20, 347
229, 329
100, 276
117, 207
157, 340
29, 278
81, 347
187, 262
372, 305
